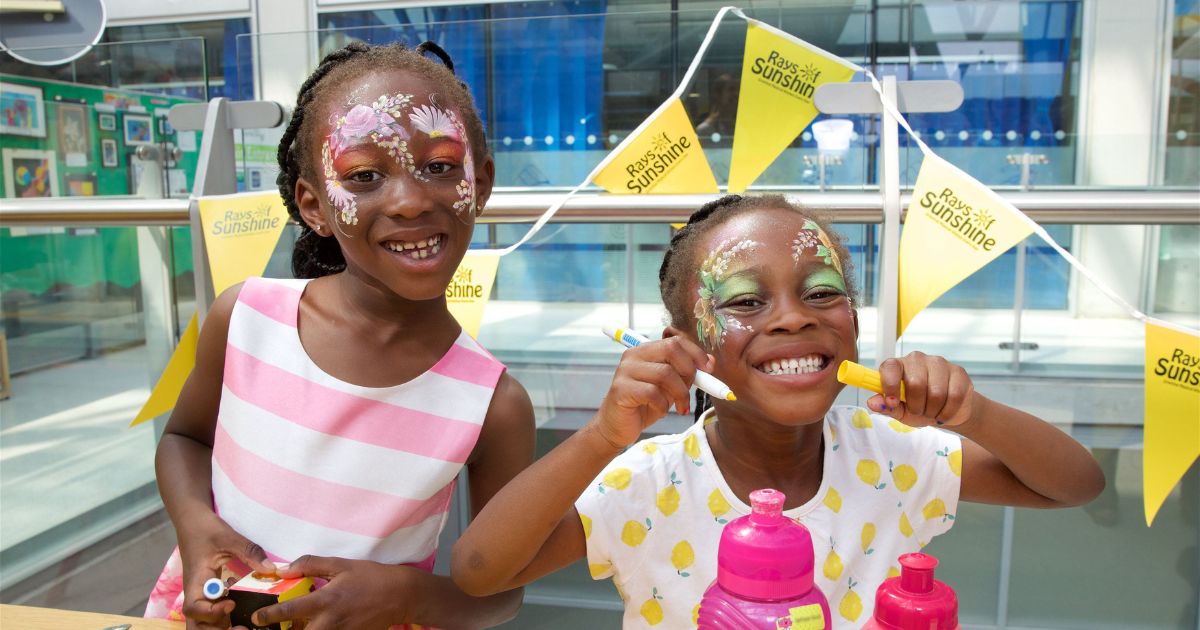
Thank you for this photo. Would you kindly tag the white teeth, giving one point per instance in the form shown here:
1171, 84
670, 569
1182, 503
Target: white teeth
800, 365
417, 250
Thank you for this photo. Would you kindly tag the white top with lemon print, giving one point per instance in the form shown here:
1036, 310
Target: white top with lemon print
653, 517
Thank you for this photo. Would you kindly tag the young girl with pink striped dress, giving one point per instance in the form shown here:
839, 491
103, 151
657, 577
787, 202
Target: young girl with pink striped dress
328, 417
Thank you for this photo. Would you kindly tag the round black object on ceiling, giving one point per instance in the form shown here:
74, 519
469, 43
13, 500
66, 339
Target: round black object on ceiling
48, 37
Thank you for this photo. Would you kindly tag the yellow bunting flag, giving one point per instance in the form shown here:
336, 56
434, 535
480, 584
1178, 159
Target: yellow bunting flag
780, 74
664, 158
470, 289
240, 233
1172, 418
166, 391
954, 226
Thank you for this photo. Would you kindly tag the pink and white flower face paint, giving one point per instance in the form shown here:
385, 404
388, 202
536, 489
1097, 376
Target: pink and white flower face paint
390, 122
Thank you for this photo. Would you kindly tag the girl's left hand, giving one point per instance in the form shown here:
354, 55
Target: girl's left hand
359, 594
936, 391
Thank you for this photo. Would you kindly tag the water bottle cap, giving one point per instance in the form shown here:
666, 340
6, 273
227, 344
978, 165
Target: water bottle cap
765, 555
915, 600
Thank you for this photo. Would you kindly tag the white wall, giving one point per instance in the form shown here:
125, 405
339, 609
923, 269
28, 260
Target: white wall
1120, 100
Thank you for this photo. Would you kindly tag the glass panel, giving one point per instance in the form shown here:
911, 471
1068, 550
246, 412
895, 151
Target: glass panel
1175, 294
71, 469
1183, 105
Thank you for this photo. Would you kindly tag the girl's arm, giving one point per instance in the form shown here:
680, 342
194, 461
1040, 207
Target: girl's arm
365, 594
531, 529
1010, 457
183, 469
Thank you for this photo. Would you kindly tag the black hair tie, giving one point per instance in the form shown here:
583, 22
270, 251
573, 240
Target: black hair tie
429, 46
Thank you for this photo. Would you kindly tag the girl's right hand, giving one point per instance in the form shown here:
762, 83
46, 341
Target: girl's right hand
650, 378
205, 548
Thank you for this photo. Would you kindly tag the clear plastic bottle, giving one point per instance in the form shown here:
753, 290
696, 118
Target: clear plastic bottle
764, 574
914, 600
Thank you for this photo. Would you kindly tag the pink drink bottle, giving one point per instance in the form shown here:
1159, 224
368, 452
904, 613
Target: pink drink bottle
914, 600
764, 574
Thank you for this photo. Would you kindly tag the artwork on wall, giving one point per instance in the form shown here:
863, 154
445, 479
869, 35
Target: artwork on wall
22, 112
138, 130
30, 173
80, 184
73, 136
108, 153
107, 122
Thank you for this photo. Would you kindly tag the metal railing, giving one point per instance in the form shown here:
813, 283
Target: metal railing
1074, 207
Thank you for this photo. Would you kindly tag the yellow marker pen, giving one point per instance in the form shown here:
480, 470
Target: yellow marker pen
857, 375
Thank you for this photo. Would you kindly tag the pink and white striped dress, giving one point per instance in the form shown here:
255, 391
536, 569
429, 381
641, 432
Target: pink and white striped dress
304, 463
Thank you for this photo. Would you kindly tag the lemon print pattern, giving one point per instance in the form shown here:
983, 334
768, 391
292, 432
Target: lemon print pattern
833, 500
696, 615
900, 427
634, 532
650, 448
668, 500
850, 608
904, 476
617, 479
935, 509
691, 448
587, 525
833, 565
868, 472
598, 570
651, 610
905, 527
861, 419
955, 461
893, 572
868, 535
718, 506
682, 557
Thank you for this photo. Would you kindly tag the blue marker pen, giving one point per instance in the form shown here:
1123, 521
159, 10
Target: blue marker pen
704, 380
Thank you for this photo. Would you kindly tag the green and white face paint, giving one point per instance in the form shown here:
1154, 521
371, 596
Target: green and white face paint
720, 280
391, 122
811, 236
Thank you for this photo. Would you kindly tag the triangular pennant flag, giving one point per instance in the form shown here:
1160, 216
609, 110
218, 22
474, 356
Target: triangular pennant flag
166, 391
1172, 418
240, 233
780, 74
664, 158
954, 226
470, 290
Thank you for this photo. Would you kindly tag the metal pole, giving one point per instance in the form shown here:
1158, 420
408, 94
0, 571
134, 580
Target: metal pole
889, 246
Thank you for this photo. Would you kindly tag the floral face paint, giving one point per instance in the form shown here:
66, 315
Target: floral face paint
383, 122
812, 236
720, 280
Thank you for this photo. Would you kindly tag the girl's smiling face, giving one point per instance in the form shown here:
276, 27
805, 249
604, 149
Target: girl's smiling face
396, 181
771, 305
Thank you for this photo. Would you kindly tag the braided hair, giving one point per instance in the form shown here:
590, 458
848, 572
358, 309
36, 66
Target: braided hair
314, 256
678, 263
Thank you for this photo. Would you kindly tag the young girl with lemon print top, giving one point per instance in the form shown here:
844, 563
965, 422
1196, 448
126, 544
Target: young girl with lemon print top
328, 417
764, 287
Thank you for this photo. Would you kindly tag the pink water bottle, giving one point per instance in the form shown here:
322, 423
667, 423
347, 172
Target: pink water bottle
764, 574
914, 600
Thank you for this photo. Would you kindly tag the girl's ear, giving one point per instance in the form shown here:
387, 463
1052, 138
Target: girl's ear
485, 178
671, 331
309, 203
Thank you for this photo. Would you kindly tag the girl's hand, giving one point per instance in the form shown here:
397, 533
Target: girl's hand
650, 378
359, 594
205, 548
936, 391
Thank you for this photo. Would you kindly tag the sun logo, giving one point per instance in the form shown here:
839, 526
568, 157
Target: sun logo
983, 218
809, 73
463, 275
661, 143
